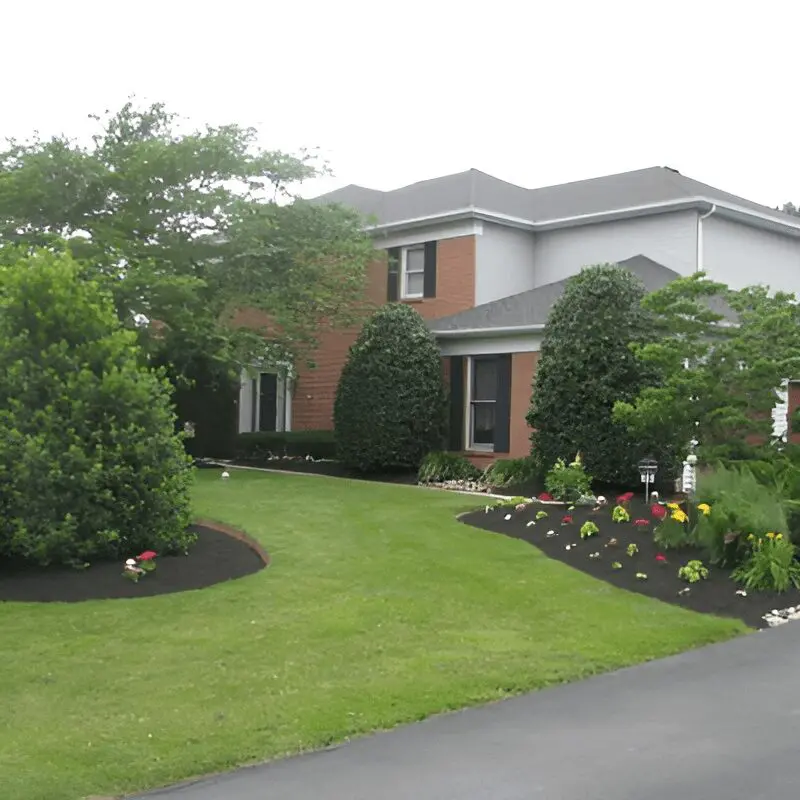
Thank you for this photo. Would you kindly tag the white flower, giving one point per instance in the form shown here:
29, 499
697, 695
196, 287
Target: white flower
601, 501
131, 562
225, 475
487, 509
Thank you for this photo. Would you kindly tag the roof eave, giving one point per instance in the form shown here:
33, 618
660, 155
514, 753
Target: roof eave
727, 210
488, 332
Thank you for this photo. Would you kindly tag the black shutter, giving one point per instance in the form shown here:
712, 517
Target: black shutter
502, 420
456, 439
253, 404
429, 281
268, 401
393, 275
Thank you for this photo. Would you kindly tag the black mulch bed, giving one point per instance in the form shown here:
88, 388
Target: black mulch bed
214, 558
715, 595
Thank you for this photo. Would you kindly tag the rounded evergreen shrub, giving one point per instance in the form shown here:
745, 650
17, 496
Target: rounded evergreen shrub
90, 465
585, 366
391, 402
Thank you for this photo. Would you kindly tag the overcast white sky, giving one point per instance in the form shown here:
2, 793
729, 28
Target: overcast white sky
534, 93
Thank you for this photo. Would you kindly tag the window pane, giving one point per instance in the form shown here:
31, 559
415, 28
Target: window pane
483, 423
415, 260
484, 379
414, 283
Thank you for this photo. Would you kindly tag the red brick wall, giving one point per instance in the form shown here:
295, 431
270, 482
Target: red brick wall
794, 403
315, 389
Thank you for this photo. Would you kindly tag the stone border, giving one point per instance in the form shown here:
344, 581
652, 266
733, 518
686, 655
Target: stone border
237, 534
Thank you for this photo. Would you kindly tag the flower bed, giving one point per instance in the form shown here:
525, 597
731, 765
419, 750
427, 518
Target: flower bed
625, 554
219, 554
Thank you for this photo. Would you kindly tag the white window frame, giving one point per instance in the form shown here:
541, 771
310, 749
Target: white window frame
471, 445
250, 403
404, 293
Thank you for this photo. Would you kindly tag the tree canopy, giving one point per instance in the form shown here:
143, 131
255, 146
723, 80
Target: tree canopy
720, 356
391, 401
184, 228
585, 366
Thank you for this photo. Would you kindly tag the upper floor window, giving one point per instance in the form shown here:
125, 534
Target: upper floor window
412, 272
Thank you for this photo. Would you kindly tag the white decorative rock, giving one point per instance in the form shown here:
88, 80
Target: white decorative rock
550, 534
530, 524
507, 517
741, 592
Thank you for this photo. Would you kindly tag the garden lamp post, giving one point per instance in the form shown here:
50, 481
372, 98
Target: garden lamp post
647, 473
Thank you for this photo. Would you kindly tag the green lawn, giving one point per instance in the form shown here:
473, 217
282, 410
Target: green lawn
378, 609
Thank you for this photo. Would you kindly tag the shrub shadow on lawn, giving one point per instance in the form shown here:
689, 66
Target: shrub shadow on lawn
714, 595
220, 554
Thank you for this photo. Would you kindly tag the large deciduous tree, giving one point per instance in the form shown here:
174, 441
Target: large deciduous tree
719, 357
186, 227
585, 366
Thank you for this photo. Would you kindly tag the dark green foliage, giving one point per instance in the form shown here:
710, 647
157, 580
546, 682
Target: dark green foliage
585, 366
511, 472
262, 445
391, 402
90, 465
444, 466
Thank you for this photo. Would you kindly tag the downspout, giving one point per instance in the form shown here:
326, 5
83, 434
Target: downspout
699, 256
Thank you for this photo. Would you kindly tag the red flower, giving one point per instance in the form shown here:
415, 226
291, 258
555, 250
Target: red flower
659, 512
544, 496
566, 520
661, 558
148, 555
641, 523
624, 498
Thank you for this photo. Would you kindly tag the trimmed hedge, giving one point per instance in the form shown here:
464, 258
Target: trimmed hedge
391, 402
259, 446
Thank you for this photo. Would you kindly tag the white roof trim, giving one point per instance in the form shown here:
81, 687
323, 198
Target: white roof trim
488, 331
741, 213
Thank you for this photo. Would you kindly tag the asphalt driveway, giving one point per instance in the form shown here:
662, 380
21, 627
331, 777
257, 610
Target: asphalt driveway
721, 723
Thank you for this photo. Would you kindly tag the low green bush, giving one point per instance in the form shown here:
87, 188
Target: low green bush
770, 564
90, 465
443, 466
739, 505
511, 472
568, 482
292, 444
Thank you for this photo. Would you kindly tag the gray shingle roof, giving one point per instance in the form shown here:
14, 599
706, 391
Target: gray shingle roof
476, 189
533, 307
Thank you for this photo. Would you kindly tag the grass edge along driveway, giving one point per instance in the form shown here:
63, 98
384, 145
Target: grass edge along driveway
379, 608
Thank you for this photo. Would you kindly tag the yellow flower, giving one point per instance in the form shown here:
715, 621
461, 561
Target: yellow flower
705, 508
750, 538
770, 535
673, 506
679, 516
779, 537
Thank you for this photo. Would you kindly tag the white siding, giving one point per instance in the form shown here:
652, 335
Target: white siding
504, 263
741, 256
669, 239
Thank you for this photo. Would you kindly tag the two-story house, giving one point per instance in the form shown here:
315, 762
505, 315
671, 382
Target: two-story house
483, 261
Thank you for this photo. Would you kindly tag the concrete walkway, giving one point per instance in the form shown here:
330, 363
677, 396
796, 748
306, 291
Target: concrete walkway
721, 723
